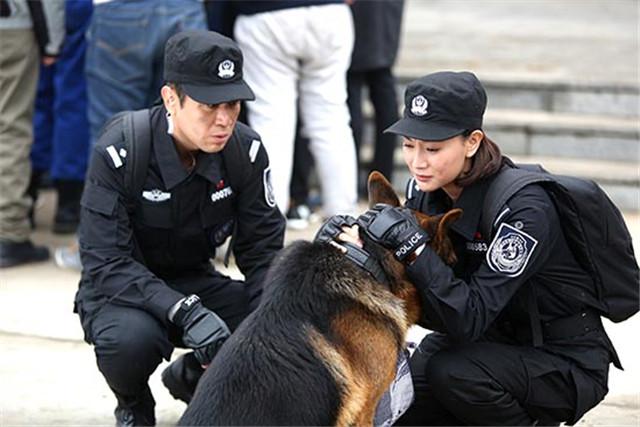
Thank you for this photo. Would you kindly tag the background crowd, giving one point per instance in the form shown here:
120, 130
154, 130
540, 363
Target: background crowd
105, 56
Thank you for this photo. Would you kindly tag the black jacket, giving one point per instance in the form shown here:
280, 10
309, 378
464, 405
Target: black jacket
488, 293
178, 221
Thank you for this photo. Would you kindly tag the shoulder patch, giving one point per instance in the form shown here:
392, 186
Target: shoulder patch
253, 150
510, 250
115, 156
269, 197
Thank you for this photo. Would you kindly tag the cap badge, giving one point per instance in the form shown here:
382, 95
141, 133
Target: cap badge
225, 69
419, 105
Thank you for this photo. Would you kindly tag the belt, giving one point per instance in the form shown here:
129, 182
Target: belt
571, 326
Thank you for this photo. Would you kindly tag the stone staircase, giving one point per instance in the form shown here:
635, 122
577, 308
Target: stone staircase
581, 129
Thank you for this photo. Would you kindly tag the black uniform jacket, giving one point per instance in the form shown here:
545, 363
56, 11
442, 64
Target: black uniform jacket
487, 294
179, 219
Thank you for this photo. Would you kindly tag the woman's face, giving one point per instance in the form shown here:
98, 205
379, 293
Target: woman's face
436, 164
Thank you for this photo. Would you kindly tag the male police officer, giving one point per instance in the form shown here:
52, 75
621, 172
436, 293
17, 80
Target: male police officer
147, 283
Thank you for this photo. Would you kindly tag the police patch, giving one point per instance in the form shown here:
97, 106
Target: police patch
419, 105
226, 69
269, 197
510, 250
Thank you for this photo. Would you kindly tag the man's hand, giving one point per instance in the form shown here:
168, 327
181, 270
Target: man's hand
202, 329
395, 229
332, 228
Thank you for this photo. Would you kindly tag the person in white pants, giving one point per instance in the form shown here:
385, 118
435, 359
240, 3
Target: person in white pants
301, 54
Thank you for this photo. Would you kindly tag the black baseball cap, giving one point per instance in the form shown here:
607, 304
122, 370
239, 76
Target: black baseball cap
207, 65
441, 105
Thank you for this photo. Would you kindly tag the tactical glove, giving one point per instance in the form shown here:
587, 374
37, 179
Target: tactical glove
333, 227
394, 228
202, 329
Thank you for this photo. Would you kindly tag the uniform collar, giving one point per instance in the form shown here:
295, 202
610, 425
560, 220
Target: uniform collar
173, 173
470, 201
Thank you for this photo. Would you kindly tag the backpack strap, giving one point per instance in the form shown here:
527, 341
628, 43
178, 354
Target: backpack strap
137, 136
506, 183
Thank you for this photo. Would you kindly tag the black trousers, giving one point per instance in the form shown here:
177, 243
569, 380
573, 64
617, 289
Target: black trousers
383, 95
130, 343
488, 383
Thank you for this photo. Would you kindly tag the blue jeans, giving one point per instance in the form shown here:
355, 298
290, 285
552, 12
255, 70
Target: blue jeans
125, 53
60, 124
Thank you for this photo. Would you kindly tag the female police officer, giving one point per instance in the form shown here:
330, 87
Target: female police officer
484, 364
147, 283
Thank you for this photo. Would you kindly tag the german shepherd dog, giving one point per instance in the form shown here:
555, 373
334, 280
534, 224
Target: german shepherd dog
322, 346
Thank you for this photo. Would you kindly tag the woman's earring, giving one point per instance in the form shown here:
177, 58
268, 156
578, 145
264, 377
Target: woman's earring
169, 123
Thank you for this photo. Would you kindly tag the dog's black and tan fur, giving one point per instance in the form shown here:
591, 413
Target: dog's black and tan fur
322, 346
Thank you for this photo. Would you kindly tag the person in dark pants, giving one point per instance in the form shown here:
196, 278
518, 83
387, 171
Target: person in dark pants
509, 348
147, 282
60, 123
377, 36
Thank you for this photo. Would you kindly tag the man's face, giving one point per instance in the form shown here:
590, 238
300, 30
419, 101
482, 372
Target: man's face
204, 127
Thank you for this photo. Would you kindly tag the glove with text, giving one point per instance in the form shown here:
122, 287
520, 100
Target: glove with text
202, 329
394, 228
333, 227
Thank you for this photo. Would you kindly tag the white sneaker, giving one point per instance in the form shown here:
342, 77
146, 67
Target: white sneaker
298, 217
68, 257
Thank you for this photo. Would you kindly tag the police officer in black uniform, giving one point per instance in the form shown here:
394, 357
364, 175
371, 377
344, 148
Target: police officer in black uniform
148, 284
508, 348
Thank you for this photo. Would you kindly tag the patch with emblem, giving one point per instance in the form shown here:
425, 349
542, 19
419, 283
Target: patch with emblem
156, 195
226, 69
510, 250
269, 197
419, 105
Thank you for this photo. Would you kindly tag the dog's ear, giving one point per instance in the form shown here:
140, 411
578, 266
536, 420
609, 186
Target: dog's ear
438, 226
381, 191
441, 242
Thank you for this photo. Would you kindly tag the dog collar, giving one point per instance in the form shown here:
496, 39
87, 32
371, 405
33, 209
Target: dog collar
365, 261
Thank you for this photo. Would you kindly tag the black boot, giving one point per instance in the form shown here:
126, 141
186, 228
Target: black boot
181, 377
138, 411
16, 253
67, 215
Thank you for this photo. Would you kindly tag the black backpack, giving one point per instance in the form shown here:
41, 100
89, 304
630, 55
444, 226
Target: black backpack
136, 132
595, 230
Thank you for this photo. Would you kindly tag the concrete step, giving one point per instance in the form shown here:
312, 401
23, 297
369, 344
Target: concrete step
538, 133
553, 95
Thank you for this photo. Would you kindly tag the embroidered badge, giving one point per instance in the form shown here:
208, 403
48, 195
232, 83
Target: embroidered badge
115, 157
269, 197
216, 196
419, 105
510, 250
253, 150
156, 195
226, 69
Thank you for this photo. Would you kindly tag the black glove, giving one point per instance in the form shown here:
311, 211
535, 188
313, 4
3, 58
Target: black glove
333, 227
202, 329
394, 228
